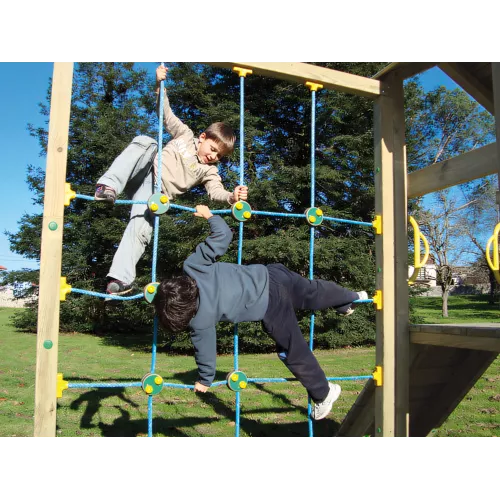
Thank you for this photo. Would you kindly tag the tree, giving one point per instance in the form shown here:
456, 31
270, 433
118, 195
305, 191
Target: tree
440, 125
114, 102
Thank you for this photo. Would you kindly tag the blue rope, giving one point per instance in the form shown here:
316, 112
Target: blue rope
106, 295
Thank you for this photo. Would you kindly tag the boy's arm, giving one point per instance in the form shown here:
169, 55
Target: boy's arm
173, 125
216, 243
213, 184
205, 354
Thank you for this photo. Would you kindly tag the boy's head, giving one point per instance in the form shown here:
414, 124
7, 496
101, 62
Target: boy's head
176, 302
217, 141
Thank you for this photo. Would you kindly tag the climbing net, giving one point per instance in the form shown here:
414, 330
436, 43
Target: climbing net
158, 204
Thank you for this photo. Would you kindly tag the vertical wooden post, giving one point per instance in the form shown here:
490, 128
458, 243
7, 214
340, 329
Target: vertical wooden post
384, 247
402, 348
51, 251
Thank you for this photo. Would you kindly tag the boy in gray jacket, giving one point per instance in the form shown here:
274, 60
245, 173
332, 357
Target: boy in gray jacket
186, 162
211, 291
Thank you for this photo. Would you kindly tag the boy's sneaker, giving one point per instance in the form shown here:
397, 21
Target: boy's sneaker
321, 410
105, 193
347, 310
117, 287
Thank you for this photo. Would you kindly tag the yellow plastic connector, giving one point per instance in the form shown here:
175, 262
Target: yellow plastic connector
377, 224
164, 198
151, 288
239, 205
319, 212
312, 218
377, 376
242, 71
234, 377
154, 207
313, 87
64, 288
158, 380
69, 194
61, 385
377, 300
243, 385
247, 215
148, 389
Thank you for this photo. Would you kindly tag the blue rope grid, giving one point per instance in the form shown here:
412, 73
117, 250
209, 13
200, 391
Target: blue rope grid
240, 250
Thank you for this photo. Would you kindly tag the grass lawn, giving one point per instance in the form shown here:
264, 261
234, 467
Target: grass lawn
276, 409
461, 309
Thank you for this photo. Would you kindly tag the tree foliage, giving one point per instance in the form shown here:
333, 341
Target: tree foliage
113, 102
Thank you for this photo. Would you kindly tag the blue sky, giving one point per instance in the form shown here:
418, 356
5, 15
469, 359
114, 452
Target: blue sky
22, 87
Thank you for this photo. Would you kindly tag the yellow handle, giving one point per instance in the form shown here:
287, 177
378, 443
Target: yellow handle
418, 263
494, 265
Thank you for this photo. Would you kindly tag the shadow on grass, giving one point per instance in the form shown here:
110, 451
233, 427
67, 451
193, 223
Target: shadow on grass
125, 426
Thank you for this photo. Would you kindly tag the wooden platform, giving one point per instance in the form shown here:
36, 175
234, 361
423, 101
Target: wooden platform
445, 363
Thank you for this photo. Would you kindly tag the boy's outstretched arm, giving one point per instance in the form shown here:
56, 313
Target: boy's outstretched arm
215, 245
174, 126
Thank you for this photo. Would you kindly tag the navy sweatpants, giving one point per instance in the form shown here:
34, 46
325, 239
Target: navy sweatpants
288, 291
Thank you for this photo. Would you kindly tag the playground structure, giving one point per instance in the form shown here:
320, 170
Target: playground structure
422, 371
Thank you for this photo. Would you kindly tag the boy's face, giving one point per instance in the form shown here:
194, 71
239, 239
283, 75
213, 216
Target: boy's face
208, 150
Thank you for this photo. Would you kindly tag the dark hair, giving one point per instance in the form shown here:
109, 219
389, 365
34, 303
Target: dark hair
176, 302
223, 135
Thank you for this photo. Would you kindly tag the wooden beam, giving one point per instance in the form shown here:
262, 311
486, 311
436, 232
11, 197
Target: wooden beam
463, 168
51, 252
470, 84
405, 70
385, 280
302, 72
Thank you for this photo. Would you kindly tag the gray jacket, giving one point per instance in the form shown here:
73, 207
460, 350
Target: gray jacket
227, 292
181, 168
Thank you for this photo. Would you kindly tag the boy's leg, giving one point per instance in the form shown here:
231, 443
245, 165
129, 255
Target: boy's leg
281, 323
136, 237
312, 294
133, 164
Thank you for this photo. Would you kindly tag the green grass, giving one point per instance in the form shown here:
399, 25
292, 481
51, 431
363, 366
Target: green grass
275, 409
461, 309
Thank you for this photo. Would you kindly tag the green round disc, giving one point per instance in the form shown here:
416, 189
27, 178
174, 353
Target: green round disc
158, 203
241, 211
234, 385
152, 381
150, 292
47, 344
52, 226
314, 216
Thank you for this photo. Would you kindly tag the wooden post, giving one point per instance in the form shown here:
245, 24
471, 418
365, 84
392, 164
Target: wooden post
402, 348
385, 248
51, 252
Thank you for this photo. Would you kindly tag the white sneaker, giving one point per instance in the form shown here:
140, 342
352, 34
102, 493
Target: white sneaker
321, 410
346, 312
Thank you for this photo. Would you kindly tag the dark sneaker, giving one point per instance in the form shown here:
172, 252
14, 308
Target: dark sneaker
322, 409
117, 287
347, 310
105, 193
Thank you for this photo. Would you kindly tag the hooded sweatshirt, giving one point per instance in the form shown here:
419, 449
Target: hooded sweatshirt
181, 167
227, 292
